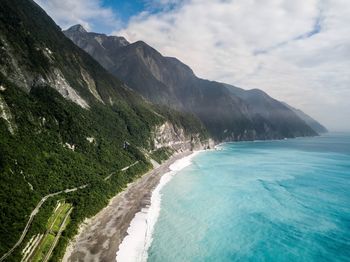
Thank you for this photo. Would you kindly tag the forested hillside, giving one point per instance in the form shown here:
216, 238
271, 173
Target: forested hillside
64, 123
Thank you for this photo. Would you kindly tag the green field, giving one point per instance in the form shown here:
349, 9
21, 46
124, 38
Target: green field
55, 222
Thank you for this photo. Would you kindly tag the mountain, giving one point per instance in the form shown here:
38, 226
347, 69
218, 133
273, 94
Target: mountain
68, 128
228, 112
308, 120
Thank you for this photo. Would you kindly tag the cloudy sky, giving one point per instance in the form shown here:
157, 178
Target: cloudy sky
297, 51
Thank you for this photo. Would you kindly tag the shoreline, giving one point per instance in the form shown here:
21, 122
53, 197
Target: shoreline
134, 247
99, 237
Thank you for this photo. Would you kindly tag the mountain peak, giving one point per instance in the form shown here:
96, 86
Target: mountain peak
77, 28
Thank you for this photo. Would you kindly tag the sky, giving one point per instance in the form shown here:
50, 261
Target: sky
297, 51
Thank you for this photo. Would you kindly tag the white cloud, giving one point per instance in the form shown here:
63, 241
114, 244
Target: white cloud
89, 13
298, 51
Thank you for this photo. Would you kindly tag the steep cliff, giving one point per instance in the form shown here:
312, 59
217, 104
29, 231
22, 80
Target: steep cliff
167, 81
315, 125
172, 136
64, 124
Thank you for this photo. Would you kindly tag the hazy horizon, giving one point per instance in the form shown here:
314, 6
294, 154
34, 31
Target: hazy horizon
298, 52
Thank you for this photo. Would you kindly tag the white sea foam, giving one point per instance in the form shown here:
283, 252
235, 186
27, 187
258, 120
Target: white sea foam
135, 245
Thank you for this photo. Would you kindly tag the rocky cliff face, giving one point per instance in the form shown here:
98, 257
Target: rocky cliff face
101, 45
5, 113
175, 137
65, 122
229, 113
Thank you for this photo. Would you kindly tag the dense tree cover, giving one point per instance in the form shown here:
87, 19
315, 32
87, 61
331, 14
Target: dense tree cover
37, 154
161, 154
36, 159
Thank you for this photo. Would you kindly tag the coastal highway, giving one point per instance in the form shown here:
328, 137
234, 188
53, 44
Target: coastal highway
127, 167
31, 217
41, 202
123, 169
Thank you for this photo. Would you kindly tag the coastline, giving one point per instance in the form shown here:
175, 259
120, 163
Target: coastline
134, 247
99, 237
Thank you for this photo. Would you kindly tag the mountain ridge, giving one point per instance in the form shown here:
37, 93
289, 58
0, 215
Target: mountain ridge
319, 128
68, 123
228, 112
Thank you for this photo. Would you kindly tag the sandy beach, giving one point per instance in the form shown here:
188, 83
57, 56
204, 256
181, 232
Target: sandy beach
99, 237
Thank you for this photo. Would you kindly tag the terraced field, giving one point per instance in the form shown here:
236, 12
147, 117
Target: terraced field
41, 250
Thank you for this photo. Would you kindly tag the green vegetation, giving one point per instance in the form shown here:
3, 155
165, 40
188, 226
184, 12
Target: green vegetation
161, 154
56, 221
44, 248
37, 154
36, 159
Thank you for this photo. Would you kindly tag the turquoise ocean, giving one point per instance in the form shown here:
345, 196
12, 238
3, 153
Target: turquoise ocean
283, 200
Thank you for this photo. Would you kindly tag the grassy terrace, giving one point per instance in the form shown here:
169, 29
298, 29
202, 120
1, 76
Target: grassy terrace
55, 225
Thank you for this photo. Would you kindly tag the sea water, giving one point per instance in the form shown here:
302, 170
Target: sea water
259, 201
135, 245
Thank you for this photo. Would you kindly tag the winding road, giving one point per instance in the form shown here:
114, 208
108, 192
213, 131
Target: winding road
42, 201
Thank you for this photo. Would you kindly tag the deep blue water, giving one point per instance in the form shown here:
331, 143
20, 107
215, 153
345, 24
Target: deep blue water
259, 201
